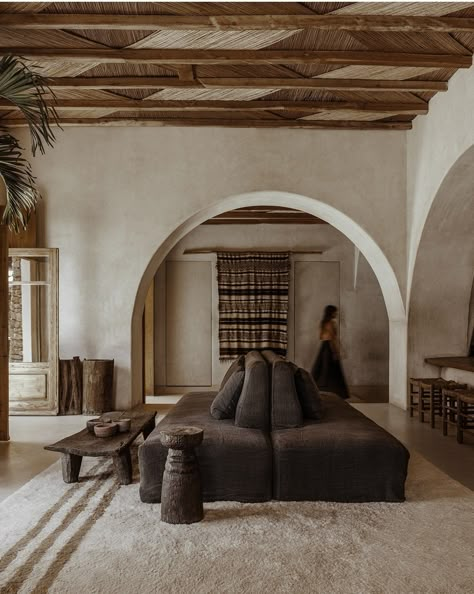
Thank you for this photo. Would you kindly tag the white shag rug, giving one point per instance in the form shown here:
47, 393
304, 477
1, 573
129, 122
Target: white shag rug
97, 537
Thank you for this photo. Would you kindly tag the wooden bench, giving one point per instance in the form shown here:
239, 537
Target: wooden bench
84, 443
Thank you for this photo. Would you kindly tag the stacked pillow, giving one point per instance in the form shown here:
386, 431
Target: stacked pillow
308, 393
225, 402
247, 388
253, 408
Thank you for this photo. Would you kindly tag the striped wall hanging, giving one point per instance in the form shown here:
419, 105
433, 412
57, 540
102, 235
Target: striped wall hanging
253, 302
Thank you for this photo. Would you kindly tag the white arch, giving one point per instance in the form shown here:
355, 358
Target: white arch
368, 247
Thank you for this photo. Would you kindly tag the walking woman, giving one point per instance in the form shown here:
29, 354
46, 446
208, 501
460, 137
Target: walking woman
327, 370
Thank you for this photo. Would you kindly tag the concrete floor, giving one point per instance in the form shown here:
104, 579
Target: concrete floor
24, 457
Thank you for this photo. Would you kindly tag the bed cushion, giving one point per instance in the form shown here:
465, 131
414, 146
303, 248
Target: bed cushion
235, 463
237, 364
253, 410
286, 410
224, 404
308, 394
345, 457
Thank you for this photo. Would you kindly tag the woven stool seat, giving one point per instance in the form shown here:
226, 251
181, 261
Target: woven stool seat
425, 396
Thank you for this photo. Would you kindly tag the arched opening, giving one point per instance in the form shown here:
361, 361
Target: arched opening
440, 315
360, 238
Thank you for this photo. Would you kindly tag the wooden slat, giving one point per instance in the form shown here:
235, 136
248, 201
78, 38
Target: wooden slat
291, 22
222, 123
248, 57
328, 84
298, 106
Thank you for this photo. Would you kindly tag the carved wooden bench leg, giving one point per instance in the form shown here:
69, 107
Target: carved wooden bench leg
123, 466
148, 428
71, 465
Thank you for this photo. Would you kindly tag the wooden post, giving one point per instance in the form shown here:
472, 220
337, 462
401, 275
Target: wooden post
98, 380
4, 362
149, 342
70, 386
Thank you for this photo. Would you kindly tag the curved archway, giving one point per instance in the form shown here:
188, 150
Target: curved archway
438, 320
364, 242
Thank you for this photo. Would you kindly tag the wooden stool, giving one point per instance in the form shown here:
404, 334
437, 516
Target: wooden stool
449, 405
430, 397
181, 493
413, 394
465, 416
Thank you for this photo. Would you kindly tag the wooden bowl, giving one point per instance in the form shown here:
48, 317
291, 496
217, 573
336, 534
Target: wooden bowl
105, 429
123, 425
92, 423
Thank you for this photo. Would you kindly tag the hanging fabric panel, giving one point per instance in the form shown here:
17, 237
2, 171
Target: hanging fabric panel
253, 302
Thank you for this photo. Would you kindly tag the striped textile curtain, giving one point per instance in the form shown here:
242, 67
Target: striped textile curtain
253, 302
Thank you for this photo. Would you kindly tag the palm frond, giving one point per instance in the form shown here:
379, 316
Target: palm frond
26, 90
22, 194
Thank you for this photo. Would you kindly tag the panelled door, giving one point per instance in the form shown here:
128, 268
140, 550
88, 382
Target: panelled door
33, 331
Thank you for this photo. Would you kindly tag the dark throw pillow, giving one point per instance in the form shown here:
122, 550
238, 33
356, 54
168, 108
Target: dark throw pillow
308, 394
253, 408
239, 363
224, 404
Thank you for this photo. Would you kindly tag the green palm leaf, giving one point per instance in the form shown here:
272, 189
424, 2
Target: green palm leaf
22, 194
26, 90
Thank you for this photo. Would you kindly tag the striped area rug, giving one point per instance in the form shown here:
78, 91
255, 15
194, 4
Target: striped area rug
253, 302
96, 537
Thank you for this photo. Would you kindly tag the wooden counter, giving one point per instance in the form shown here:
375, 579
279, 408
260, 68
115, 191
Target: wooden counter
464, 363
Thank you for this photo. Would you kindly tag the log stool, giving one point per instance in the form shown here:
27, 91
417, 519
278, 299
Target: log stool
181, 493
465, 416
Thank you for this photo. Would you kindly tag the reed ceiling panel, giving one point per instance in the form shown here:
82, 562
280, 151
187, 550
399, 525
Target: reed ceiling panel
381, 87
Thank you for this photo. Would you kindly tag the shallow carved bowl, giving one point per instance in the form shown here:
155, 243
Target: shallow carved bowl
92, 423
123, 425
105, 429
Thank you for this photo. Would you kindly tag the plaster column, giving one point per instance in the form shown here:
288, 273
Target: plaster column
398, 363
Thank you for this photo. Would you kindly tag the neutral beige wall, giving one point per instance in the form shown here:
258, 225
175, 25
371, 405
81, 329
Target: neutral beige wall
112, 196
363, 319
440, 209
434, 145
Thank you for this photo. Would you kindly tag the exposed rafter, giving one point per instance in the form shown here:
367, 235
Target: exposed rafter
323, 84
239, 22
182, 106
240, 57
224, 123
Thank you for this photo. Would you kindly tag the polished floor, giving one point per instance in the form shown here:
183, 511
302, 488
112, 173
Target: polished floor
24, 457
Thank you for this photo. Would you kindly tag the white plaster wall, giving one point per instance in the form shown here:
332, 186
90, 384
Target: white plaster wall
113, 195
440, 210
363, 316
433, 146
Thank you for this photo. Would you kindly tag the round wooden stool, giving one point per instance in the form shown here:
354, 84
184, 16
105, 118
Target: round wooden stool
181, 493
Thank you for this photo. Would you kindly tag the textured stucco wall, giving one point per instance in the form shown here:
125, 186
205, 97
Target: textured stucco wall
440, 209
363, 317
112, 196
434, 145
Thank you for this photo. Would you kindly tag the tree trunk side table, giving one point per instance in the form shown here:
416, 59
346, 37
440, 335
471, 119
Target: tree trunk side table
181, 493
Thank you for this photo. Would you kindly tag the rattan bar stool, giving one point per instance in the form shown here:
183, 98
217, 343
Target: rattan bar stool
430, 397
465, 416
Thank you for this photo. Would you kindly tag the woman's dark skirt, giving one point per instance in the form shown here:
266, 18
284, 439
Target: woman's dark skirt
327, 372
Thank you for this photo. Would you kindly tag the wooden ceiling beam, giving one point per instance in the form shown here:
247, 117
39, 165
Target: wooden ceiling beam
287, 22
223, 123
229, 106
327, 84
245, 57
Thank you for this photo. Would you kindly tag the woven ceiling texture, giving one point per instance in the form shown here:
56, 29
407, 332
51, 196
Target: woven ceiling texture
310, 65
